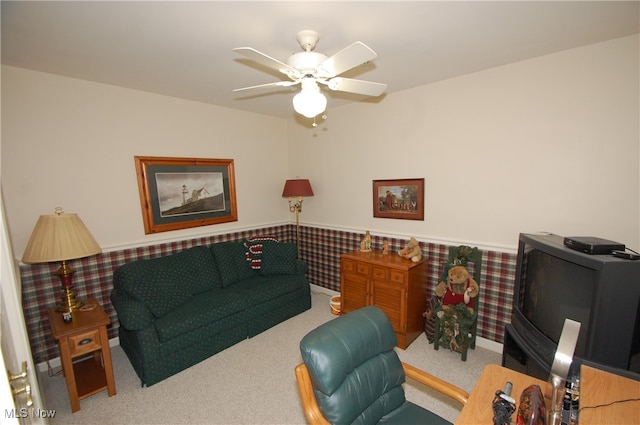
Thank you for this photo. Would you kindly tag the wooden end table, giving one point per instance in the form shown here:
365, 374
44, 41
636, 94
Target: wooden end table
86, 334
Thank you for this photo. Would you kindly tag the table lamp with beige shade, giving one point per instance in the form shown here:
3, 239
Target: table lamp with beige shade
61, 237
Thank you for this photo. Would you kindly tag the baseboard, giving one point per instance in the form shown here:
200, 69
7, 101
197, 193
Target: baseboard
323, 290
488, 344
114, 342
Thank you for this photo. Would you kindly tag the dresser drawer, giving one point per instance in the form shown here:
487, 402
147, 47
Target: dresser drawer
379, 273
363, 269
84, 343
396, 276
348, 265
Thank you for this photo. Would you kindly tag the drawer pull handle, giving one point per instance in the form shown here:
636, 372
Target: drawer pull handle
85, 341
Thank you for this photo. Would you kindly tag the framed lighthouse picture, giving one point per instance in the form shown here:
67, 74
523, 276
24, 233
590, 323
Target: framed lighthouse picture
179, 193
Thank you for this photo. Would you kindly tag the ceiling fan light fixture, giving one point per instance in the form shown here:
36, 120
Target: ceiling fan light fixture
309, 68
309, 102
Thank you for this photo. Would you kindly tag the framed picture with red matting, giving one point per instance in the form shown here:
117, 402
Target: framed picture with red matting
402, 199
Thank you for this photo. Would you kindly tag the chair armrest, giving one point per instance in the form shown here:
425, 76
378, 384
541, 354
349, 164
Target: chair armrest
311, 409
436, 383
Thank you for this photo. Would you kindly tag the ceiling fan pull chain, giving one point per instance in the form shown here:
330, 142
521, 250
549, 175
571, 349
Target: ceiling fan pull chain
323, 116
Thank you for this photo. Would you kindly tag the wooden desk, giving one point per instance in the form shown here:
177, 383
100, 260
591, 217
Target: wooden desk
478, 409
597, 387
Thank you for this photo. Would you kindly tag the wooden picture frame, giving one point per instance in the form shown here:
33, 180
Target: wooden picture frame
179, 193
401, 199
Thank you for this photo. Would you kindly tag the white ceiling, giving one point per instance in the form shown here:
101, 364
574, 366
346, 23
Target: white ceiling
183, 48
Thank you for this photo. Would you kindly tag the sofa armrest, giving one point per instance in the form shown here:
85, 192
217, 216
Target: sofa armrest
132, 314
301, 267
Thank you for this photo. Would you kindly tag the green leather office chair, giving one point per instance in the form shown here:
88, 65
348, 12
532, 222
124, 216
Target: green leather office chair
352, 375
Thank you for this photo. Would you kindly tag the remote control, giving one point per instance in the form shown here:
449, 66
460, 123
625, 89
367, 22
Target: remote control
626, 255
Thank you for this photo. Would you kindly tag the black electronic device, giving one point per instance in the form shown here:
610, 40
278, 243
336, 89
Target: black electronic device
503, 405
626, 255
554, 282
592, 245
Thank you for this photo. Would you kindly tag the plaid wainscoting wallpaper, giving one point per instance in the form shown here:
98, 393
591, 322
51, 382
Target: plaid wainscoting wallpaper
93, 279
320, 248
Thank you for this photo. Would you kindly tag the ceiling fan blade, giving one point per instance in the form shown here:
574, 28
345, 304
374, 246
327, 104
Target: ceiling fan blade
350, 85
268, 61
347, 58
268, 85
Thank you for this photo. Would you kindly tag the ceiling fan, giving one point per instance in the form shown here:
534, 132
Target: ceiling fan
309, 69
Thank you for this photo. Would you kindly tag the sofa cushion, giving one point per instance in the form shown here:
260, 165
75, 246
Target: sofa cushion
197, 268
232, 263
202, 311
160, 288
279, 258
261, 289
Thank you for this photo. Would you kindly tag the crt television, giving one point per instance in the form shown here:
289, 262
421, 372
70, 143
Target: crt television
602, 292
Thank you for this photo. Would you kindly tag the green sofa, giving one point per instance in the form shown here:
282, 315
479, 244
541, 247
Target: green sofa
177, 310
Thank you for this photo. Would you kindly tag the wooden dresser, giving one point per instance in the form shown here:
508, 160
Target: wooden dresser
395, 285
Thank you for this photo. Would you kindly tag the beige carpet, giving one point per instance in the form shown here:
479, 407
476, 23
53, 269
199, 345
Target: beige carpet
250, 383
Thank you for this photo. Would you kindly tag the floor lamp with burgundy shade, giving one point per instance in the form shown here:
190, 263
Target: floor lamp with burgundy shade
299, 188
61, 237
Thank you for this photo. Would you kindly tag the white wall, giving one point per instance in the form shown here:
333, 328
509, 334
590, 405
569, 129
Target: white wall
70, 143
548, 144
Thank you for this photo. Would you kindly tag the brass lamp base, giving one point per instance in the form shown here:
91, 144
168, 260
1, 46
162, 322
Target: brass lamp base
297, 208
68, 300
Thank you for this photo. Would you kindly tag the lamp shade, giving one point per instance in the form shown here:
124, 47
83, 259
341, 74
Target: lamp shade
309, 102
297, 187
59, 237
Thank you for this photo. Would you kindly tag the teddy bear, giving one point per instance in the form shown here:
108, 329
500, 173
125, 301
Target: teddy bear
412, 251
459, 288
